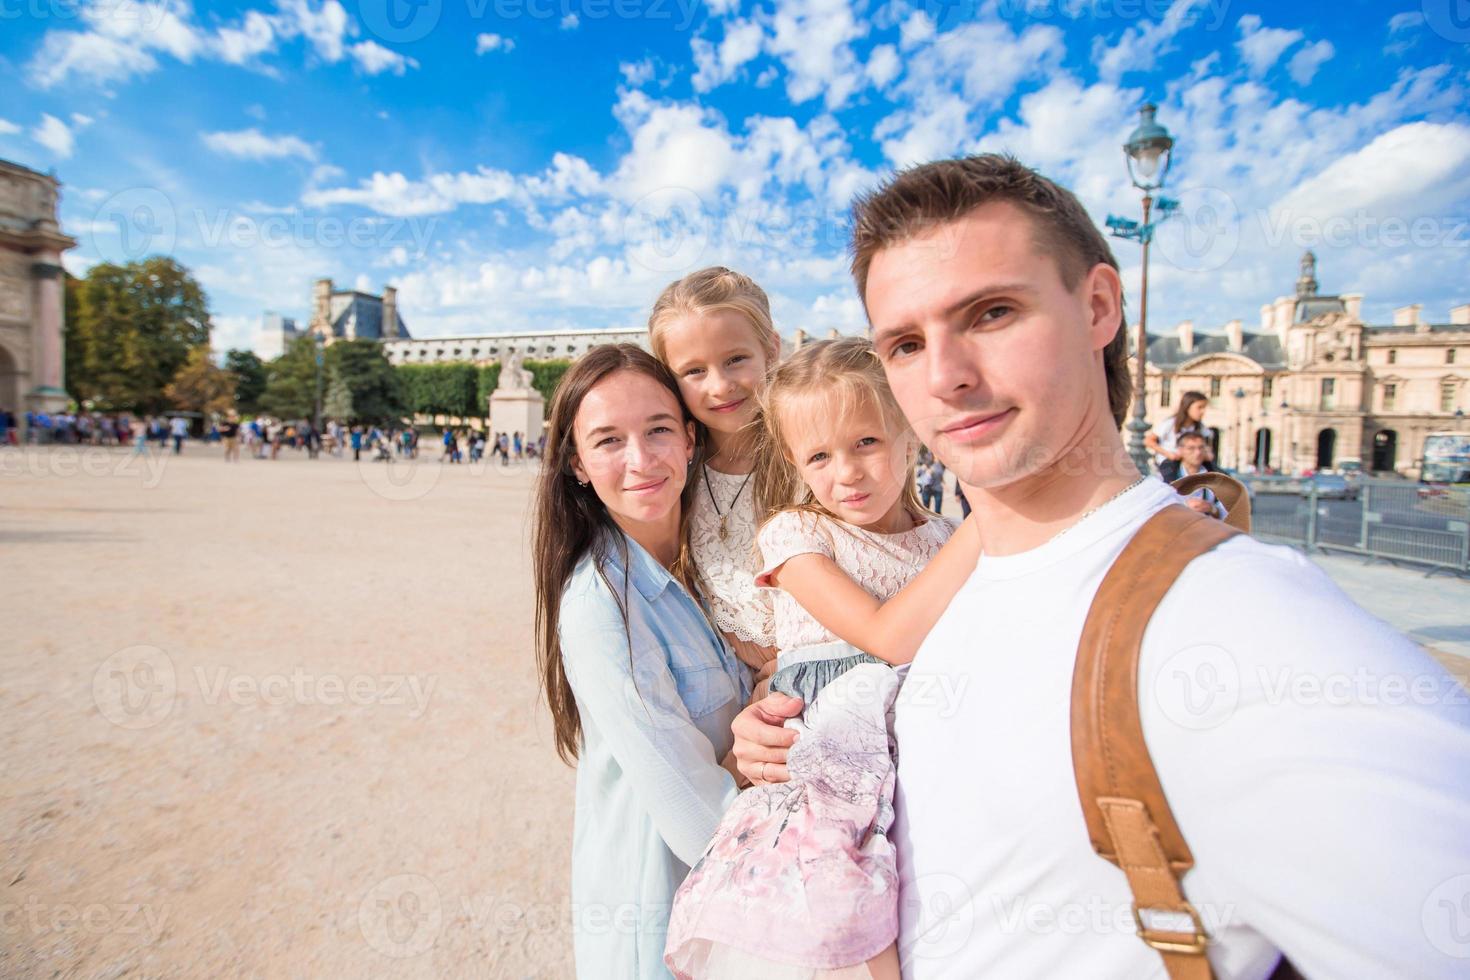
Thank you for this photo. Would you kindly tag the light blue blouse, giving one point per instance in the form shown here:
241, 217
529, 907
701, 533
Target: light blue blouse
655, 725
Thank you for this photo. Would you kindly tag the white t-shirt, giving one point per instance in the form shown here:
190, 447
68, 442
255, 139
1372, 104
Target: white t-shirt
1325, 796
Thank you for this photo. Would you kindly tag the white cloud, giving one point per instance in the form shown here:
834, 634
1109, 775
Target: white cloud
1261, 47
570, 22
396, 195
252, 144
1411, 170
636, 73
325, 27
1138, 48
883, 65
813, 39
1405, 21
375, 59
1304, 64
53, 134
717, 65
7, 127
493, 42
673, 147
81, 121
239, 45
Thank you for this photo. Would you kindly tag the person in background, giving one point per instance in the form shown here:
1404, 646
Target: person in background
179, 429
229, 431
1163, 439
959, 494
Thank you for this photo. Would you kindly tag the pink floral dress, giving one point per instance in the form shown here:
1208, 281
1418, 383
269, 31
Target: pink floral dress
799, 880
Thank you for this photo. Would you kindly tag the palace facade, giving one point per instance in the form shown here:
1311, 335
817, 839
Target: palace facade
32, 292
1315, 386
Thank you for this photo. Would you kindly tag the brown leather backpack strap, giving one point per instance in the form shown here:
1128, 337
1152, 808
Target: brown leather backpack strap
1231, 492
1128, 817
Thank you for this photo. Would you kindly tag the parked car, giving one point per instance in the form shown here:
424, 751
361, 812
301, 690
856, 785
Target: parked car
1330, 486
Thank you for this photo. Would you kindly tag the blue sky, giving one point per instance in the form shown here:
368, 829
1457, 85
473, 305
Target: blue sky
536, 164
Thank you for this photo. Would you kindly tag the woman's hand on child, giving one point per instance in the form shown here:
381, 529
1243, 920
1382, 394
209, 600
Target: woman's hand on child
761, 743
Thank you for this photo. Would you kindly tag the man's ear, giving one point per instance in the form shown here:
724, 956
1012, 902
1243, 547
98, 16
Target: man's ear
1104, 295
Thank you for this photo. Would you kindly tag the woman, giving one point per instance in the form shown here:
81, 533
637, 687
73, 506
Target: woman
1163, 439
641, 688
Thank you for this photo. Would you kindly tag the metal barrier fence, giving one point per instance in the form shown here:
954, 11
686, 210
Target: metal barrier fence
1392, 519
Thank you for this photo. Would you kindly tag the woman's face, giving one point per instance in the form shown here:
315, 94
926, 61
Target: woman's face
633, 446
720, 364
1196, 412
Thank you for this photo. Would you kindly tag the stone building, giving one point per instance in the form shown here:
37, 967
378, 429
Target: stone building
347, 314
1315, 386
32, 292
485, 348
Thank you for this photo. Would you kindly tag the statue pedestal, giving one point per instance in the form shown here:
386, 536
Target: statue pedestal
515, 410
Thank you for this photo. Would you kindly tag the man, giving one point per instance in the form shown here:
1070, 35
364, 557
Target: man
229, 430
179, 429
1193, 458
1320, 825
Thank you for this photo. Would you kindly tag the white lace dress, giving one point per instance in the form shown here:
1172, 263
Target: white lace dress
800, 881
728, 564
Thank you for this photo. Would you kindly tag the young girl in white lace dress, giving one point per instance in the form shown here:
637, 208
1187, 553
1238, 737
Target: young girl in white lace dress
800, 878
713, 329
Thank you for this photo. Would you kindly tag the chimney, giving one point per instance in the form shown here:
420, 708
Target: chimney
321, 307
1460, 315
832, 333
801, 339
1354, 304
1185, 330
390, 313
1267, 323
1407, 316
1235, 335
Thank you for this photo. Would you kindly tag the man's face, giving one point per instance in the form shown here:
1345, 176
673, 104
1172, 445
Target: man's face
1192, 451
996, 363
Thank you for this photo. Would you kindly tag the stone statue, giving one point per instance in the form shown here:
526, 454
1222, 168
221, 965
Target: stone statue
513, 376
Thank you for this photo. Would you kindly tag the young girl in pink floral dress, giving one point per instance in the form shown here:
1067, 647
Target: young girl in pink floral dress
799, 880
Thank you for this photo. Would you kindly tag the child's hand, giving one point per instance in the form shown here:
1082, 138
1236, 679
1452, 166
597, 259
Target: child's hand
761, 743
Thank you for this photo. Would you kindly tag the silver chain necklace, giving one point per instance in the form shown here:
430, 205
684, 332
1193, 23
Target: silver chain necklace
1136, 483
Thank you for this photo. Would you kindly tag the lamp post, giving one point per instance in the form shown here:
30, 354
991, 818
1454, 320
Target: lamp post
1148, 152
317, 421
1240, 427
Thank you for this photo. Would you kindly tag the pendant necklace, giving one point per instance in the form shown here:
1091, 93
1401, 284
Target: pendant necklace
725, 514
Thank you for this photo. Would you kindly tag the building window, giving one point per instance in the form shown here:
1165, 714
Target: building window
1329, 394
1266, 385
1214, 387
1166, 392
1447, 396
1449, 356
1393, 356
1390, 392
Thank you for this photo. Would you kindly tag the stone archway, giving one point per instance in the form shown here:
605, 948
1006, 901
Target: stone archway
1326, 449
10, 383
1385, 450
1262, 455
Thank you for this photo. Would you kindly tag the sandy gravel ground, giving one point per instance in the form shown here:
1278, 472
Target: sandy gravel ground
273, 719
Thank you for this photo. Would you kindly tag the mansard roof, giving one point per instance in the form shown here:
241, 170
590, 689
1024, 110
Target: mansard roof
1264, 348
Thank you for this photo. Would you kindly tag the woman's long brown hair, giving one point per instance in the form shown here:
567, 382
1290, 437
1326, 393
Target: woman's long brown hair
1182, 421
572, 521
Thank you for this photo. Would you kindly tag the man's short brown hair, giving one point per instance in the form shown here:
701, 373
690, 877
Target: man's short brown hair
917, 199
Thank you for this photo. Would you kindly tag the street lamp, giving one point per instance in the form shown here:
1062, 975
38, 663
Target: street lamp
1149, 151
317, 422
1239, 395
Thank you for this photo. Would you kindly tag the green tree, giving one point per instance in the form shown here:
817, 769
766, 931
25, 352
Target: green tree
546, 375
441, 389
129, 330
366, 372
489, 378
290, 386
201, 385
250, 377
338, 402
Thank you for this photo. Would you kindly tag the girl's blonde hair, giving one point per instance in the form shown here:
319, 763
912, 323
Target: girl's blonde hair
714, 290
847, 368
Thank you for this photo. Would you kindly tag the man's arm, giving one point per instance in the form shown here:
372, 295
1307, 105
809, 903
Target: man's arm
1318, 764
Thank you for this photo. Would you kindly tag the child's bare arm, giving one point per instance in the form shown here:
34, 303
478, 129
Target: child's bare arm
892, 630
